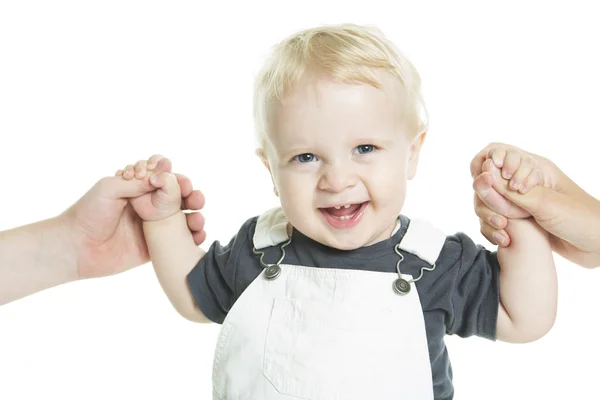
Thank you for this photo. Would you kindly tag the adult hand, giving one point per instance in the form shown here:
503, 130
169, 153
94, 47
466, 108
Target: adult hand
97, 236
558, 205
106, 234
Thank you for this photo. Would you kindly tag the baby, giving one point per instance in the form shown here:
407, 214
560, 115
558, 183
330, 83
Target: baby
336, 294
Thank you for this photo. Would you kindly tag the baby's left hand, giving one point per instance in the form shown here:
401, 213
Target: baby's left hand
157, 204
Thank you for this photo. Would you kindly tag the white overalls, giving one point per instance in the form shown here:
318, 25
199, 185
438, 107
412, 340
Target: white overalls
301, 332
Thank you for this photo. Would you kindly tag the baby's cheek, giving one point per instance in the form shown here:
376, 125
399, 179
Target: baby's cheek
387, 190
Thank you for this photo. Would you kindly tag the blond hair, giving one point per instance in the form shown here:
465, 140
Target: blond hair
346, 53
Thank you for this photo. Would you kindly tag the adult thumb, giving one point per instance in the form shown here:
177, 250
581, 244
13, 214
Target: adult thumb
573, 220
115, 187
551, 209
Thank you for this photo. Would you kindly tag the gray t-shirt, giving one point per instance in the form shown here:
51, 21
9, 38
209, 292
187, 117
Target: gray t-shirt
461, 296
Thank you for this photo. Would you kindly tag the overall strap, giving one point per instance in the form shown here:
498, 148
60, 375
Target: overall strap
272, 228
423, 240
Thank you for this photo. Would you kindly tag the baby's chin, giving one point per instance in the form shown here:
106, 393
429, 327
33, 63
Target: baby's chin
343, 242
354, 240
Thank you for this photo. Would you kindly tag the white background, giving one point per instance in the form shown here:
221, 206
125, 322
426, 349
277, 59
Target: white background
88, 87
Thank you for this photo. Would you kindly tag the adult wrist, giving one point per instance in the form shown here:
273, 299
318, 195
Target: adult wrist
62, 246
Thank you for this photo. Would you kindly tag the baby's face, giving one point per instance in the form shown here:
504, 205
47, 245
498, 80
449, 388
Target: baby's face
340, 158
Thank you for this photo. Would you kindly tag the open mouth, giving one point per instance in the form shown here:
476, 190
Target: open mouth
344, 216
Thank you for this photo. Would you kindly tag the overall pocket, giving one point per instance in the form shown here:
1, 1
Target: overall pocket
328, 351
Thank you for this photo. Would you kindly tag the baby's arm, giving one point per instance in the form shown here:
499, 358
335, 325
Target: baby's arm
174, 254
170, 243
528, 284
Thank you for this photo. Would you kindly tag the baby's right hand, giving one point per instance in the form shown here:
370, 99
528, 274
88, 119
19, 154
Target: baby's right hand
161, 202
520, 168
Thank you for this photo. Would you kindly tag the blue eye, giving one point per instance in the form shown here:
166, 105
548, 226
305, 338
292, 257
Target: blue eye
305, 158
365, 148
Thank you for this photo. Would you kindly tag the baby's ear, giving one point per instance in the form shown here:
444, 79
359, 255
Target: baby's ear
413, 157
260, 152
263, 157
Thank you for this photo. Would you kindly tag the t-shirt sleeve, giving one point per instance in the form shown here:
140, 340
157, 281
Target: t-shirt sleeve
212, 282
475, 293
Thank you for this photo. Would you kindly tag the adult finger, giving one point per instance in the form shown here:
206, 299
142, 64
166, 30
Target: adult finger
488, 216
195, 201
190, 199
493, 235
199, 237
491, 197
484, 189
491, 224
195, 221
573, 220
185, 184
115, 187
477, 162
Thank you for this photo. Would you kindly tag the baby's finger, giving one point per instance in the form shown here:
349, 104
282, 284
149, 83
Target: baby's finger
511, 163
497, 154
167, 182
163, 165
140, 169
128, 172
153, 161
533, 179
526, 165
119, 172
